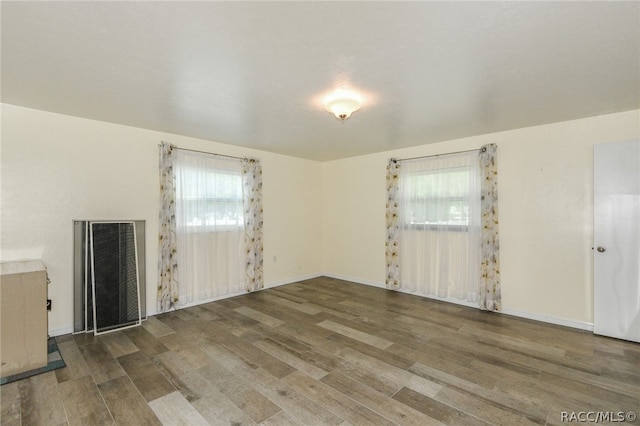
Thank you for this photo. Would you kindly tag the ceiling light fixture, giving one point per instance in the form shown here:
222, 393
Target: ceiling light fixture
342, 103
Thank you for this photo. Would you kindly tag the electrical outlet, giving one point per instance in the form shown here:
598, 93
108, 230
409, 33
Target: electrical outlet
48, 304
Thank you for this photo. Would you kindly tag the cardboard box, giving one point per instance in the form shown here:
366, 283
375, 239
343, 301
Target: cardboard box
23, 316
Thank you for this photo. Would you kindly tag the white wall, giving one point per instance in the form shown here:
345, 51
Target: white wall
545, 178
57, 168
319, 217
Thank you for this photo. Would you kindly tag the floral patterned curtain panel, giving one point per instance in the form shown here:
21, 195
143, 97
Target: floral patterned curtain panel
488, 290
167, 265
393, 224
252, 203
489, 293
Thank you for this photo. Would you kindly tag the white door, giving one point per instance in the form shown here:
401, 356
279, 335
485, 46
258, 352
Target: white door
617, 240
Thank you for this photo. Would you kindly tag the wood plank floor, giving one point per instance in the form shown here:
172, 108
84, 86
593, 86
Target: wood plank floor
330, 352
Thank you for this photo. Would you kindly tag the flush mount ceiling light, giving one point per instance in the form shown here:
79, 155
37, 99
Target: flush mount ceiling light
342, 103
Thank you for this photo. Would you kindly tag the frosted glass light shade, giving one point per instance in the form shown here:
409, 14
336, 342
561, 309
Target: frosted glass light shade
342, 103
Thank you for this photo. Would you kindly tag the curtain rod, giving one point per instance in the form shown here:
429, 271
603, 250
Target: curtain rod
210, 153
483, 149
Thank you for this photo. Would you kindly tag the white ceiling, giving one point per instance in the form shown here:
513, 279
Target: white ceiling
250, 73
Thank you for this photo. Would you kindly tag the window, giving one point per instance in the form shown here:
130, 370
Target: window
209, 226
437, 198
439, 237
209, 193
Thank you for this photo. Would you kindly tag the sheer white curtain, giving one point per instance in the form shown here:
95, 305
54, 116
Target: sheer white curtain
210, 226
439, 226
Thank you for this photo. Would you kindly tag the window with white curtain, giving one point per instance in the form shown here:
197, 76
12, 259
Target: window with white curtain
439, 211
209, 226
438, 199
210, 198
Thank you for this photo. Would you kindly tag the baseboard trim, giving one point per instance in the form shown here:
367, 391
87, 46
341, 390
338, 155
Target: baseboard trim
292, 280
355, 280
60, 331
587, 326
240, 293
151, 312
507, 311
